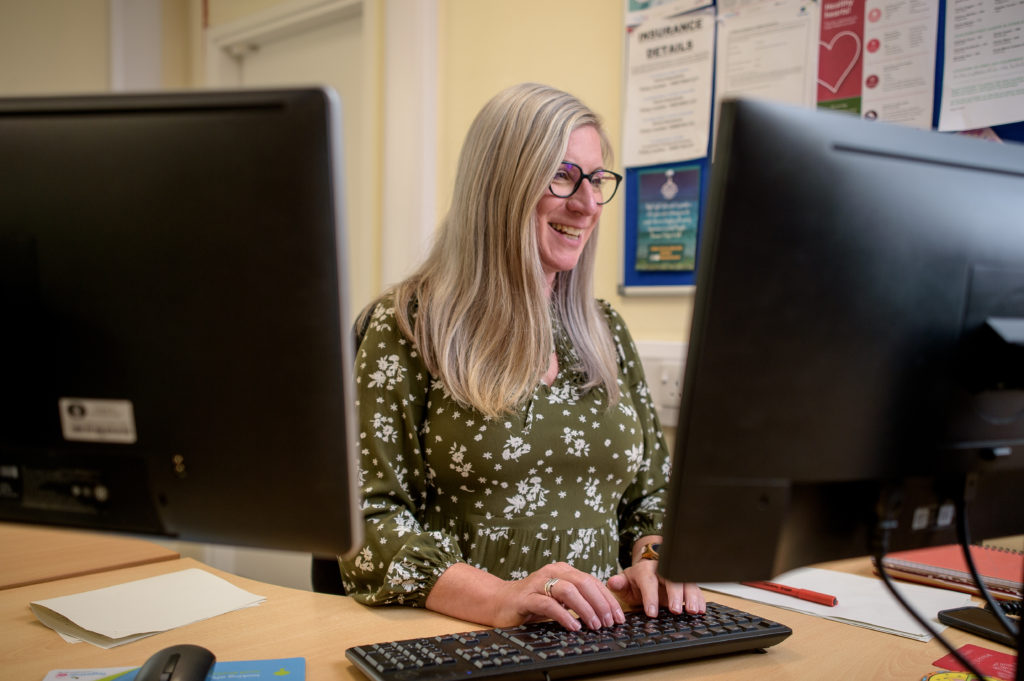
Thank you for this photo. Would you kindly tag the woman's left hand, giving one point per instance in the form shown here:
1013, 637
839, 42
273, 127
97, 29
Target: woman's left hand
640, 584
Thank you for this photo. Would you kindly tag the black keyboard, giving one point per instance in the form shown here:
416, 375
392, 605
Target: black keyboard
545, 650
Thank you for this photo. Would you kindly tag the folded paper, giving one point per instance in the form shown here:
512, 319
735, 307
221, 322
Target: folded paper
119, 614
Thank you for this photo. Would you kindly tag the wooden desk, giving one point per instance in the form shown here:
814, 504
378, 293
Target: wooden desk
319, 627
33, 554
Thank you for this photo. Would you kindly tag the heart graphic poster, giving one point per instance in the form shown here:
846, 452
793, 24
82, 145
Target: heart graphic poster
840, 55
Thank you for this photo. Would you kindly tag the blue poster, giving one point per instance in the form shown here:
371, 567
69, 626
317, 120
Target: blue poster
667, 218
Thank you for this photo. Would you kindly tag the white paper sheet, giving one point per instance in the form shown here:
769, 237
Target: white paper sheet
123, 613
863, 601
983, 80
668, 87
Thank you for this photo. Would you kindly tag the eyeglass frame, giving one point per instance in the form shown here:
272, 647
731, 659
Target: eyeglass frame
587, 177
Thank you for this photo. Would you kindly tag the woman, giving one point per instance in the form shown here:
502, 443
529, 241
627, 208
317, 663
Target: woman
509, 444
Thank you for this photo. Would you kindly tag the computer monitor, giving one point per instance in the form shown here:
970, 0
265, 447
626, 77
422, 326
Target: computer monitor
855, 362
175, 349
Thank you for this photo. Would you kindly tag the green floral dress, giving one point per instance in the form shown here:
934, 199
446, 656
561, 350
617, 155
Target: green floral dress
562, 479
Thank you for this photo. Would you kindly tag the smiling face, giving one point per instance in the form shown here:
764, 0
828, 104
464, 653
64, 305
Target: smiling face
565, 225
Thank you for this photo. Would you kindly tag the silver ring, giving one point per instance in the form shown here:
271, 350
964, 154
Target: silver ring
548, 585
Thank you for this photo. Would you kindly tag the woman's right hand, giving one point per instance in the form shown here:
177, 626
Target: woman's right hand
548, 593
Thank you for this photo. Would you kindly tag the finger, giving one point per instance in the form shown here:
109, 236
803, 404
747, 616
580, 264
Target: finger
624, 591
549, 608
648, 585
695, 602
606, 607
618, 582
675, 596
571, 596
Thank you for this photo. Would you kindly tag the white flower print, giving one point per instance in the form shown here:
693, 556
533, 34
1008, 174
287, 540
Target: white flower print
404, 576
578, 445
563, 394
635, 459
515, 448
380, 319
531, 496
404, 524
364, 561
591, 497
459, 463
494, 533
384, 428
390, 372
579, 548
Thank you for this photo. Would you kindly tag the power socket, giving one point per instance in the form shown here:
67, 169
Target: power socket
663, 366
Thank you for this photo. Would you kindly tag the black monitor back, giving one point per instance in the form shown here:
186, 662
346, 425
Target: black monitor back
841, 367
175, 356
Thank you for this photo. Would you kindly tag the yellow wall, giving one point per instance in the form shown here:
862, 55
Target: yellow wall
575, 45
54, 46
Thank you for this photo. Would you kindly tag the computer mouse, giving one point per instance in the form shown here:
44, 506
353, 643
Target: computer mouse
178, 663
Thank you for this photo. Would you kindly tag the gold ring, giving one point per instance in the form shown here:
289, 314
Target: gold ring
547, 586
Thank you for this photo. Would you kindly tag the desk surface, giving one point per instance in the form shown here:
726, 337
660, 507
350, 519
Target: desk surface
319, 627
41, 554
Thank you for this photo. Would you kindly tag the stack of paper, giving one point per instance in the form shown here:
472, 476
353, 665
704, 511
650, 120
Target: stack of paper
127, 612
863, 601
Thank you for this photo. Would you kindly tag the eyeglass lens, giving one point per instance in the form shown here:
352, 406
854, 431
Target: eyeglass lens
570, 176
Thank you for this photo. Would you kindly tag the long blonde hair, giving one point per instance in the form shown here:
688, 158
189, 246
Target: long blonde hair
484, 319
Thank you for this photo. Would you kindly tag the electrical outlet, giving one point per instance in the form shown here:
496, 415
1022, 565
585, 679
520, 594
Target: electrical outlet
663, 366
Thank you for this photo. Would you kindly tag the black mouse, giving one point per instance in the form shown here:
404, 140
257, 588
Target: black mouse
178, 663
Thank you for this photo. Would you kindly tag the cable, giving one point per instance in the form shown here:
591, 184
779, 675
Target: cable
886, 523
883, 549
964, 535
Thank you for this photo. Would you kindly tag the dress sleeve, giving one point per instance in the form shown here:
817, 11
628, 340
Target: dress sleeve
641, 510
400, 560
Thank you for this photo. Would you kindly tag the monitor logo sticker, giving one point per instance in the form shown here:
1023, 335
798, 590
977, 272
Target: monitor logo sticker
92, 420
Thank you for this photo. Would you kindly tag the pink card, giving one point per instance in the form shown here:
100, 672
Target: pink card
988, 662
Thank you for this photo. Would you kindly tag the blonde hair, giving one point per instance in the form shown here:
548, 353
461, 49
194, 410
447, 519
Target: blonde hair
484, 319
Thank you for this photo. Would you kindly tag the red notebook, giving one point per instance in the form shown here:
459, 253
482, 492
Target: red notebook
1001, 569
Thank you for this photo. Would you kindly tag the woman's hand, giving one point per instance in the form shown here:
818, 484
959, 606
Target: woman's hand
554, 590
549, 593
640, 584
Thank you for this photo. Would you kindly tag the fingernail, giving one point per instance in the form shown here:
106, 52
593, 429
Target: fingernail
620, 617
609, 620
677, 606
652, 611
595, 623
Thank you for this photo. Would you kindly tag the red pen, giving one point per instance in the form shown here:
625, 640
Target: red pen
804, 594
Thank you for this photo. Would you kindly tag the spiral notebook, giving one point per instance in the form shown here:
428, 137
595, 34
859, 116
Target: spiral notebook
1001, 569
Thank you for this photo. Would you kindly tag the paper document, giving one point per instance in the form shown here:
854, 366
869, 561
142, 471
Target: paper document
126, 612
863, 601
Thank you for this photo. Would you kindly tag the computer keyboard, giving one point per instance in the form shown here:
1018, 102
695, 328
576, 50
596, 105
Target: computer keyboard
545, 650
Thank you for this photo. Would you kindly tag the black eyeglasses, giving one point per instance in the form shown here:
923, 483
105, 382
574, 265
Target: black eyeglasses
570, 176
